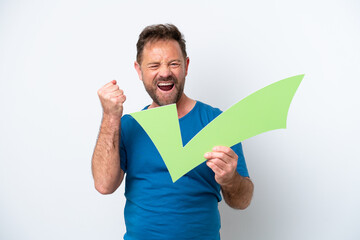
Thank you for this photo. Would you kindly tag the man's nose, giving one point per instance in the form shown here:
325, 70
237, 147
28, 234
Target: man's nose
164, 71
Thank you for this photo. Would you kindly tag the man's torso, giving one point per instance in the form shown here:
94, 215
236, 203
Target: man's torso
157, 208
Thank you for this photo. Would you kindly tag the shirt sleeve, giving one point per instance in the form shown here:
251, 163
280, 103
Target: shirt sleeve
241, 166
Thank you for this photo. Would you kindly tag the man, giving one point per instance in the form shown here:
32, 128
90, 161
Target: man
155, 207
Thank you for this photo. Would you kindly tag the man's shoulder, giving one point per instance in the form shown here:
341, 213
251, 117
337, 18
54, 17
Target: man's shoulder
127, 122
126, 118
208, 109
204, 112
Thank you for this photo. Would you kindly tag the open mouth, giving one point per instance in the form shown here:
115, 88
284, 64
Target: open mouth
165, 86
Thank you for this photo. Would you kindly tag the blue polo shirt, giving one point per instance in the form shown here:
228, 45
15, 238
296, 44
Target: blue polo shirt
157, 208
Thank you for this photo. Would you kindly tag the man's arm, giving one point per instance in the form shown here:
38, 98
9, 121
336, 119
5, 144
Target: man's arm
238, 194
237, 190
105, 166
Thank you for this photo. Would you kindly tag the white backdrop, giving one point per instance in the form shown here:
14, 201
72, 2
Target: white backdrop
54, 55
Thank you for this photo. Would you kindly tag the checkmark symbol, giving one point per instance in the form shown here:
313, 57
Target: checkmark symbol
262, 111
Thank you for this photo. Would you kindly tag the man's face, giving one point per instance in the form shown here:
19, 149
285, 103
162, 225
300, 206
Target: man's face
163, 71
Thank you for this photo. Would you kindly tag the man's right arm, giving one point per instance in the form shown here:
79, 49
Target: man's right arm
105, 166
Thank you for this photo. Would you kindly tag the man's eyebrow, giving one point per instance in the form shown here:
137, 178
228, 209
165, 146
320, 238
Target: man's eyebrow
158, 62
175, 60
150, 63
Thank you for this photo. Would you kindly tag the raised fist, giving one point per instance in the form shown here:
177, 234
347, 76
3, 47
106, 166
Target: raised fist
112, 99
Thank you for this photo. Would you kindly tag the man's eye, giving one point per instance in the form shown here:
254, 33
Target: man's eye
154, 66
175, 64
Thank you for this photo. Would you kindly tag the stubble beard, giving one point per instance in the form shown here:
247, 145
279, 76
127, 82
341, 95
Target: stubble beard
153, 89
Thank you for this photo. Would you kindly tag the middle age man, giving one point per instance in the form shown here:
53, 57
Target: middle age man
155, 207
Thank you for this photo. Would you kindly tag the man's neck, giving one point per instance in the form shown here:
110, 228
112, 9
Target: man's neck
184, 105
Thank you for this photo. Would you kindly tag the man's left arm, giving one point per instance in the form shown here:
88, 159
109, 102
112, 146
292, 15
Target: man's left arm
237, 190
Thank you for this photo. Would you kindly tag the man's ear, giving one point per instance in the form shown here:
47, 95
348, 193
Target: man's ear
187, 61
138, 69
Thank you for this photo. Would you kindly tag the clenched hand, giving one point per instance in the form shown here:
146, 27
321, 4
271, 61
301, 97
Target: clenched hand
112, 99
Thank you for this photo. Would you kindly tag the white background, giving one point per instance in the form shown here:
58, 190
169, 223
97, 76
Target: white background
54, 55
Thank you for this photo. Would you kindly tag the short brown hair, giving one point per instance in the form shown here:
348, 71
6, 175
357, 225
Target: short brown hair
159, 32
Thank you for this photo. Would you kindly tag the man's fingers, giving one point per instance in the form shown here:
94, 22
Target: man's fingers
219, 155
109, 87
214, 167
112, 89
219, 163
222, 160
123, 98
113, 82
120, 97
225, 150
113, 94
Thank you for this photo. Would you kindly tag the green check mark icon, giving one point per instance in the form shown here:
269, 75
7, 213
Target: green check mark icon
262, 111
